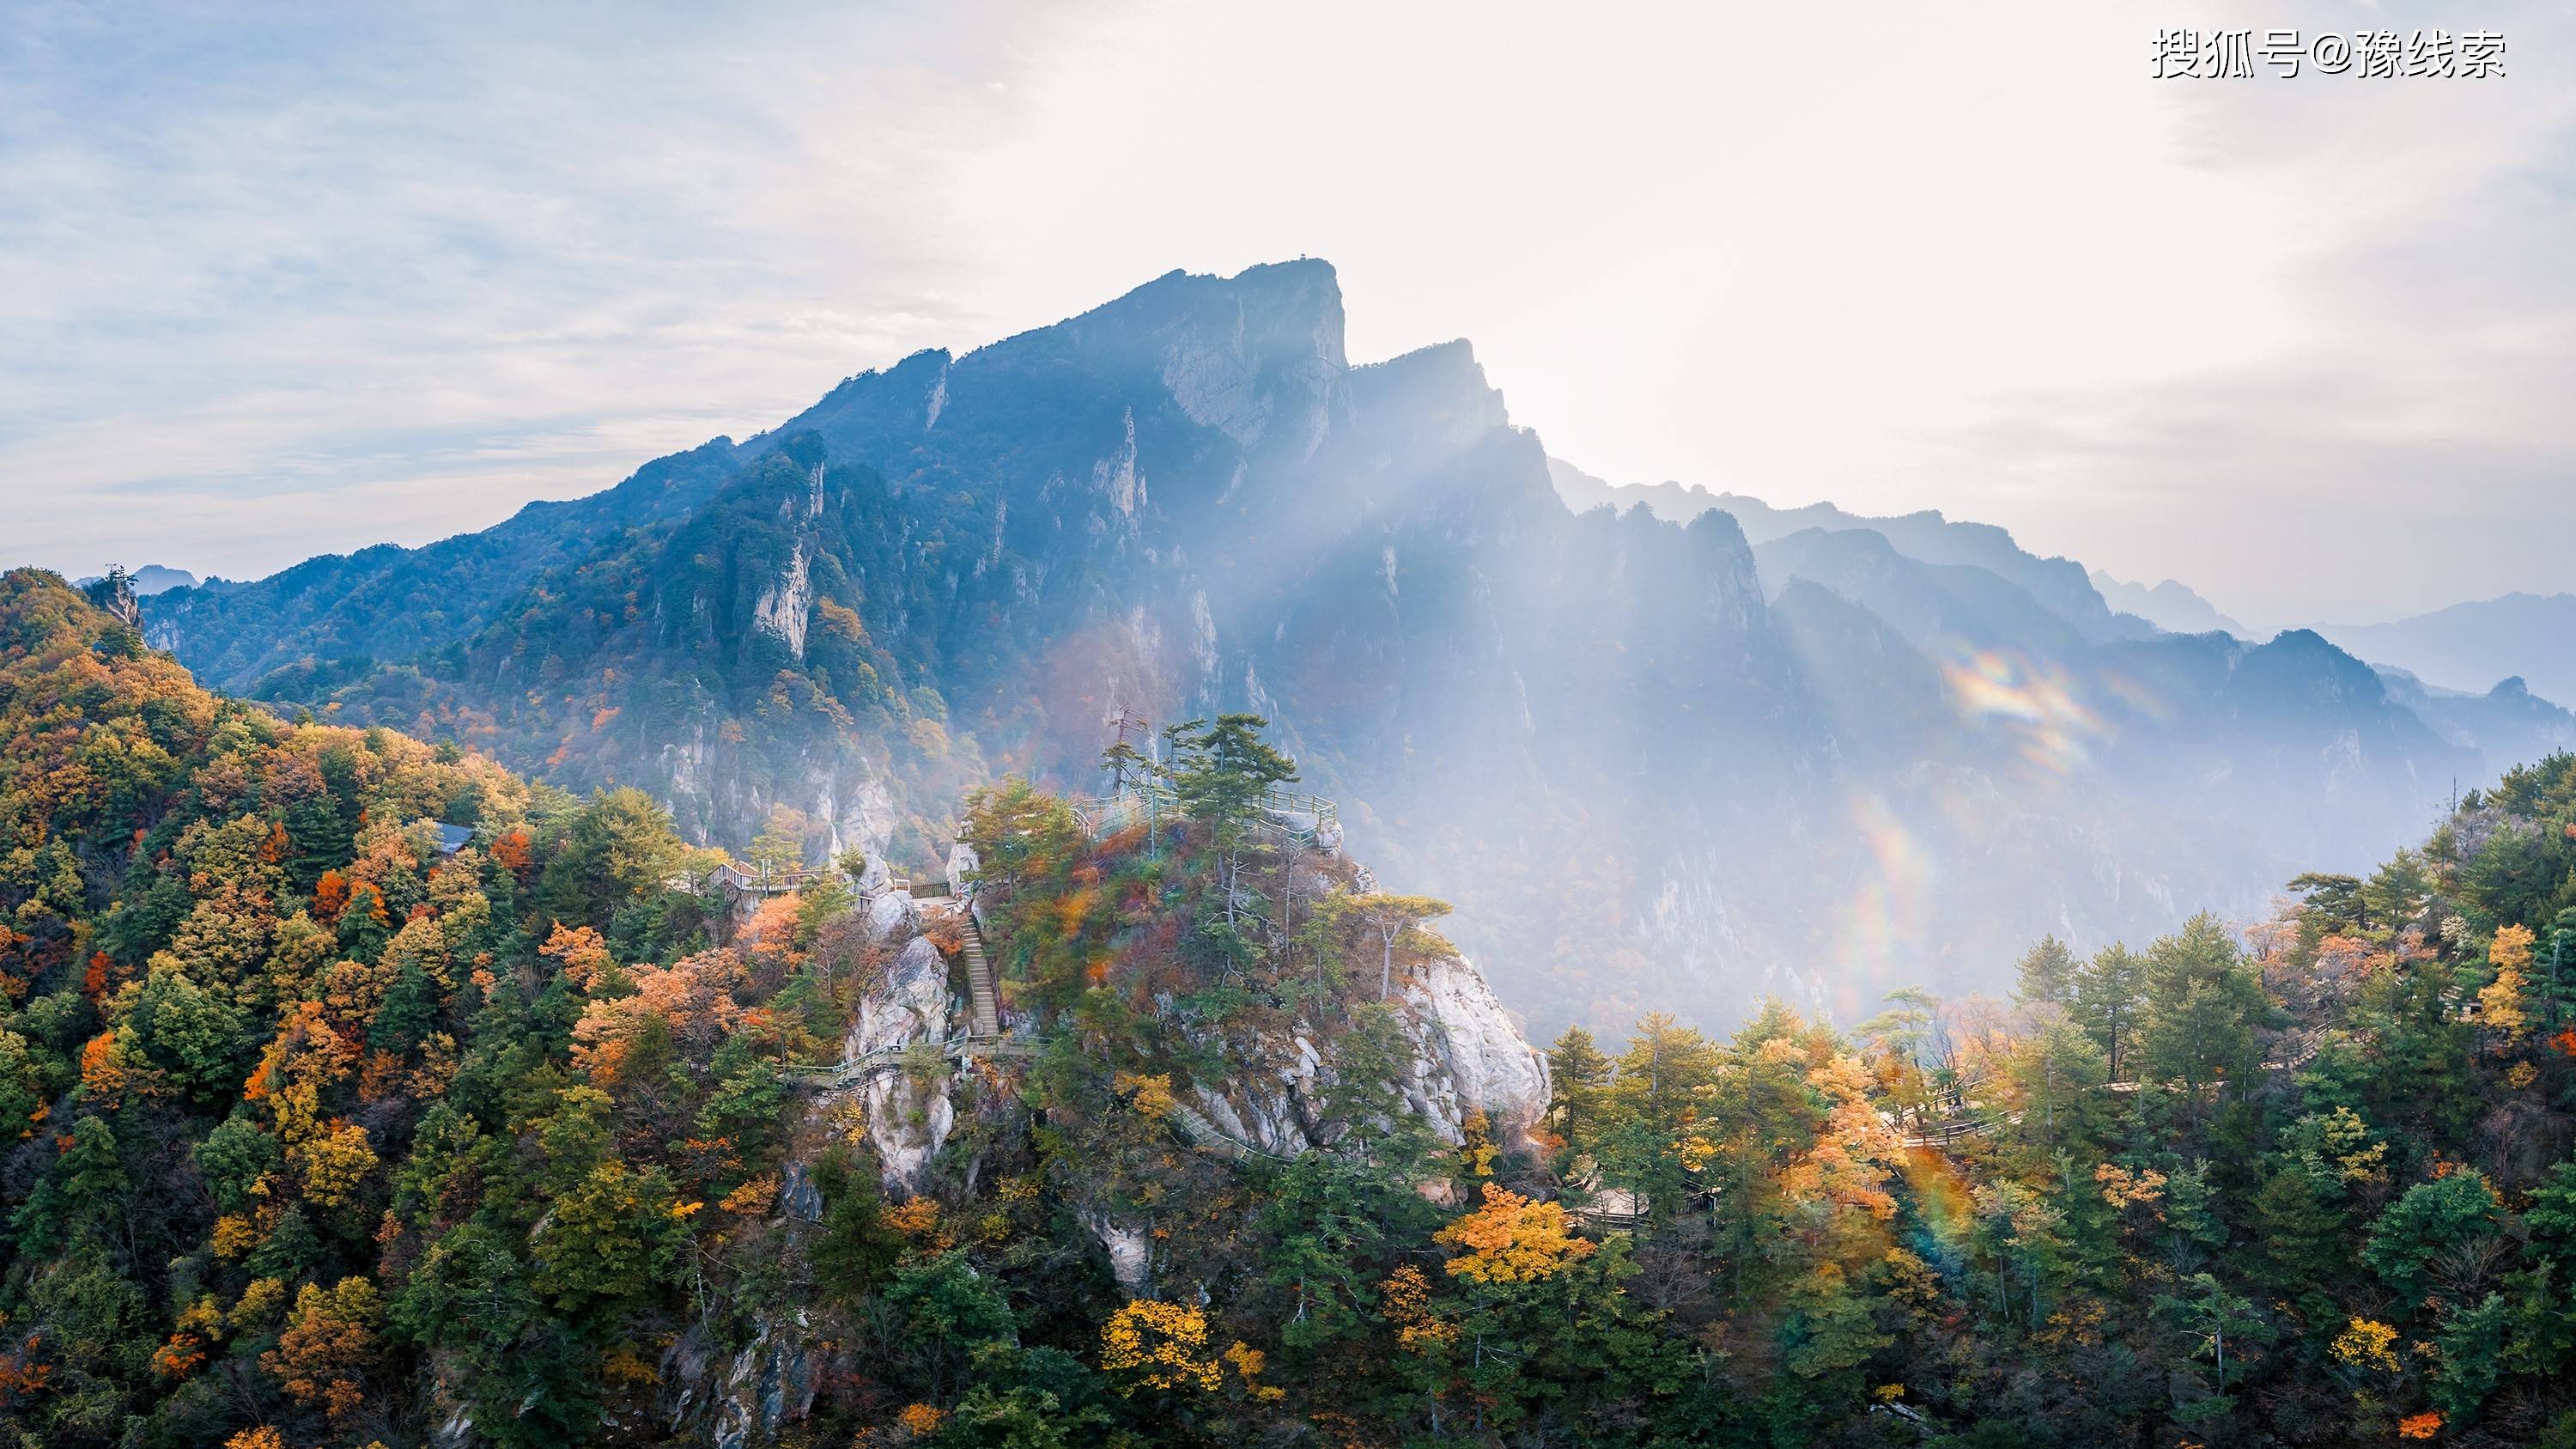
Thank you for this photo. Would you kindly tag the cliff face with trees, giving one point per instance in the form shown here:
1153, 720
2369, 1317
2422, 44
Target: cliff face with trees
363, 1093
1827, 769
329, 1130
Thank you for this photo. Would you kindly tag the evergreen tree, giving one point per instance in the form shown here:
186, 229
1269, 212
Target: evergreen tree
2203, 1003
1221, 771
2047, 972
1580, 1077
2108, 996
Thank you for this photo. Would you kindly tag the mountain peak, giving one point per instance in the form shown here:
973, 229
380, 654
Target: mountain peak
1296, 304
1442, 385
1452, 362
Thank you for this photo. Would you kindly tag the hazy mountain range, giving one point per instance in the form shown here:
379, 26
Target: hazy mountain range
1655, 762
2058, 584
2168, 605
2470, 646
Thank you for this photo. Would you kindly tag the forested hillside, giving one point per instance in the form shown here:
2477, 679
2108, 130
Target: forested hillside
334, 1130
392, 603
367, 1095
780, 646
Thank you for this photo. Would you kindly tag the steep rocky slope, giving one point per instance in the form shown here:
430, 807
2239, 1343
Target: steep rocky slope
1643, 779
1269, 1085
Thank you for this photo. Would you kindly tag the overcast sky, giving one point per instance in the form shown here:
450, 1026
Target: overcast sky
280, 282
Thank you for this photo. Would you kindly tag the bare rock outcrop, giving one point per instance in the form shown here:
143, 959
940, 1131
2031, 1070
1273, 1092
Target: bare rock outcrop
1470, 1056
1130, 1250
908, 1121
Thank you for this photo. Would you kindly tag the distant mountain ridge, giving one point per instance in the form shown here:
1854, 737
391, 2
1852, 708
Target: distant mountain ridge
2506, 722
1655, 762
1948, 585
1933, 605
2170, 605
149, 580
2473, 645
2060, 584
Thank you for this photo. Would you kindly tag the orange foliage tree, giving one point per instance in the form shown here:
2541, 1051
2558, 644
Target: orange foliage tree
329, 1340
1512, 1239
690, 1001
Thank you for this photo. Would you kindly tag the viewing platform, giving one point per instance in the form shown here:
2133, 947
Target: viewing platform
1294, 816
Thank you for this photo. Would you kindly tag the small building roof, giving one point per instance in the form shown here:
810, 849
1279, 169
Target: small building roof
453, 838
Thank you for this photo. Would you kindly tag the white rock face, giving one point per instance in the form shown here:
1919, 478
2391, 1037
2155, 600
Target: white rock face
1470, 1055
906, 1123
962, 865
1131, 1259
1116, 475
1467, 1057
866, 814
783, 606
720, 791
748, 1397
1267, 1108
1203, 634
890, 913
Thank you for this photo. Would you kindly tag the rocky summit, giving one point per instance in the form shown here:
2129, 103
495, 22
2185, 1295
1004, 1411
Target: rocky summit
1651, 762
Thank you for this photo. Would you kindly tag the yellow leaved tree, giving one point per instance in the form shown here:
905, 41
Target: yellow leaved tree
1512, 1239
2500, 1004
2367, 1344
1154, 1345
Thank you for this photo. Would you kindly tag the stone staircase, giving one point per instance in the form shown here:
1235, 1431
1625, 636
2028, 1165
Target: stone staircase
983, 1003
983, 1036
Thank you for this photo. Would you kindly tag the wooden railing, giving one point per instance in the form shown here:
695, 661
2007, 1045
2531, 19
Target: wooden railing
833, 1076
772, 881
764, 880
1279, 809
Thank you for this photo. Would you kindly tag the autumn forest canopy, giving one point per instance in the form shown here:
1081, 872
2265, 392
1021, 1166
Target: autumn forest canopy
359, 1092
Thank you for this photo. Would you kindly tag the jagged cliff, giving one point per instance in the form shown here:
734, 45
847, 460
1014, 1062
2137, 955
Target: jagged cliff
1644, 777
1142, 1082
1465, 1057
